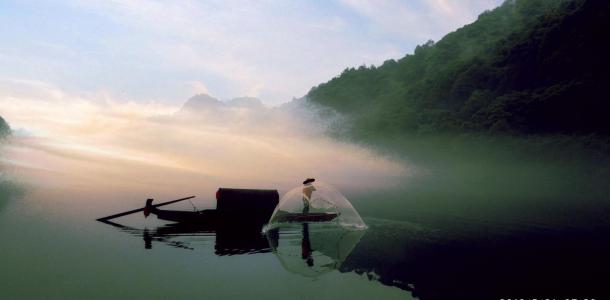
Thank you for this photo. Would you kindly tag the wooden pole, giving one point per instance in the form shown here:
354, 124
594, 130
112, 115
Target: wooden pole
141, 209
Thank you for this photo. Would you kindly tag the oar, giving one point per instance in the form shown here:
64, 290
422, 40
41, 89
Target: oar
141, 209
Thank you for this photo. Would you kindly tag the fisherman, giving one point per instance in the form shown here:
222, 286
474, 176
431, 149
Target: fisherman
308, 189
148, 208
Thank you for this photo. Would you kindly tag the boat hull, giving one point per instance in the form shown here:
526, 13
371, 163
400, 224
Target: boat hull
308, 217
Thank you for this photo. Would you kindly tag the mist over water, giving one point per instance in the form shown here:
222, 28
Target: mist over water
123, 151
509, 182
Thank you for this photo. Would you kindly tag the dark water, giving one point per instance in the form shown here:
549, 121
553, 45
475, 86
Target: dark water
477, 229
48, 256
45, 256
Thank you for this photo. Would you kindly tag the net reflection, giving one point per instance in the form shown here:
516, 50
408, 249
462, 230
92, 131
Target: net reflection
313, 249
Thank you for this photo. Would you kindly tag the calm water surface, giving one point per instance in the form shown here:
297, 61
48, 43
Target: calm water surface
460, 232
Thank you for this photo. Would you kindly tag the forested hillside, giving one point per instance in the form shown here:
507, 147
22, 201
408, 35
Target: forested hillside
526, 67
5, 130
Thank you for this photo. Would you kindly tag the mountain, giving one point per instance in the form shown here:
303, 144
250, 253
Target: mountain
201, 102
204, 109
526, 67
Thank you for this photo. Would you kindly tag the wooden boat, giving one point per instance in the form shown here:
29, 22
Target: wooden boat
181, 216
245, 206
233, 206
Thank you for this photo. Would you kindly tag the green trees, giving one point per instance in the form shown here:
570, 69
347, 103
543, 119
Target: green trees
528, 66
5, 130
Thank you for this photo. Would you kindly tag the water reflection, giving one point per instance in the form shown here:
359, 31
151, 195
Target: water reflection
461, 262
472, 261
315, 249
228, 239
312, 251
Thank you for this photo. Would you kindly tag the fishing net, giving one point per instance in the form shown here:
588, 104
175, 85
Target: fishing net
316, 202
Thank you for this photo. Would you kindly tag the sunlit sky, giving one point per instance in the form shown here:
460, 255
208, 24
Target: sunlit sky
166, 51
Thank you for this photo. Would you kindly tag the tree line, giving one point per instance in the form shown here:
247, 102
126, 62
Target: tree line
5, 130
526, 67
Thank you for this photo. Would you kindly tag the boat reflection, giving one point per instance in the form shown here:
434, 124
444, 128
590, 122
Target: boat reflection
228, 240
307, 249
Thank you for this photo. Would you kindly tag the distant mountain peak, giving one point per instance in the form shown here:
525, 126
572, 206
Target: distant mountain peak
201, 102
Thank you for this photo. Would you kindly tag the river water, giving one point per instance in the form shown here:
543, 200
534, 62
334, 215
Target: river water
463, 227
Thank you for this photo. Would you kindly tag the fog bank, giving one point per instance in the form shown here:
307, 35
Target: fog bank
92, 143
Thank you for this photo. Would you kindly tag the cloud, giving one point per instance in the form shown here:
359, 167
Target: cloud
273, 50
44, 108
392, 18
198, 87
457, 13
418, 20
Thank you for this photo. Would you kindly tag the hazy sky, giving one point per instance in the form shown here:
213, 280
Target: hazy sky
166, 51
